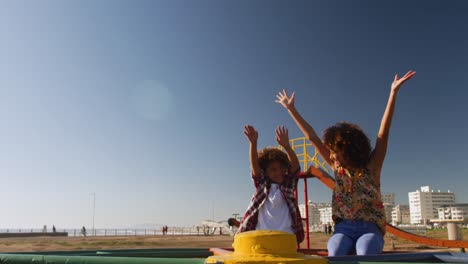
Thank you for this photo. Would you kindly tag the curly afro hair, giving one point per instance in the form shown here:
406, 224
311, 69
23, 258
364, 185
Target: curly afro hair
351, 141
268, 155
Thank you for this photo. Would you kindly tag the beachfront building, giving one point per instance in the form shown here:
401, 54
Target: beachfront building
314, 213
388, 198
388, 211
326, 215
424, 204
400, 214
454, 211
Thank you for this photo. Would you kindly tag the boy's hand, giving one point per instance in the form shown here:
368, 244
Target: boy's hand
251, 134
397, 83
282, 136
285, 100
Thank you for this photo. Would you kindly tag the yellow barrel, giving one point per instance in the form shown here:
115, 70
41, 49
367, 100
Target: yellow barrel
264, 246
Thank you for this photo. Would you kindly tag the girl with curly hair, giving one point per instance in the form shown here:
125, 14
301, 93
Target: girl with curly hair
357, 207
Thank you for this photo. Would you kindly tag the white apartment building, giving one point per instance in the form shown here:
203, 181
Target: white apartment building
400, 215
424, 204
314, 213
326, 215
454, 211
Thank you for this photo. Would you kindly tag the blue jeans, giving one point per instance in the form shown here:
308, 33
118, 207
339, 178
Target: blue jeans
363, 237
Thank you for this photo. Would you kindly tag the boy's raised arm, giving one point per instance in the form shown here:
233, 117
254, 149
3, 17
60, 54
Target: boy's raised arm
252, 136
282, 137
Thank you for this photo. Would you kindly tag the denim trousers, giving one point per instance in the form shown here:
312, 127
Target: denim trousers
361, 237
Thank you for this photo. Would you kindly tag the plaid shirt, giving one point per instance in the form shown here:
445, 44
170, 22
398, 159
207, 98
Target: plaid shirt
262, 185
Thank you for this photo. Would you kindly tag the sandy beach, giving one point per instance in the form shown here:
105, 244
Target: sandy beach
318, 241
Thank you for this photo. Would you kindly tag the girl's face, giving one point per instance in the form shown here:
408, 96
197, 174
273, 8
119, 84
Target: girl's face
337, 159
276, 171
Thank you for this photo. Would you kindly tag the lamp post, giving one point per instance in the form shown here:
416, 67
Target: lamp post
94, 211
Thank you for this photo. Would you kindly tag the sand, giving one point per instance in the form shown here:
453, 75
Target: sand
318, 241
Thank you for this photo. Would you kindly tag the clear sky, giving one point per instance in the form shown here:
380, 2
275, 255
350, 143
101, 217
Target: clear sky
143, 102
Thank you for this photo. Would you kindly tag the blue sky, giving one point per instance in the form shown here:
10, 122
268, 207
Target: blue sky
143, 102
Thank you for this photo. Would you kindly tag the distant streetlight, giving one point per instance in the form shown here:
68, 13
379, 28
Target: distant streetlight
94, 211
212, 210
235, 215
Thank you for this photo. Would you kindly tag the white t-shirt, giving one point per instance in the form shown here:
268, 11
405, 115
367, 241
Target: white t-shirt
274, 212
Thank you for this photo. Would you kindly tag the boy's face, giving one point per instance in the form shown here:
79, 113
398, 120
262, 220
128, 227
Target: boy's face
276, 171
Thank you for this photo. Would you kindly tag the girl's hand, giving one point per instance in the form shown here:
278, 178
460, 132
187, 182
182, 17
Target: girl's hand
397, 83
251, 134
285, 100
282, 136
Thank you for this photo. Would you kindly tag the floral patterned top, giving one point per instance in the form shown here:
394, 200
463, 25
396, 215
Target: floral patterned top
357, 196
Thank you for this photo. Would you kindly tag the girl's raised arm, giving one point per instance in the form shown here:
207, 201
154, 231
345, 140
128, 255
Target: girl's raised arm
380, 150
288, 102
